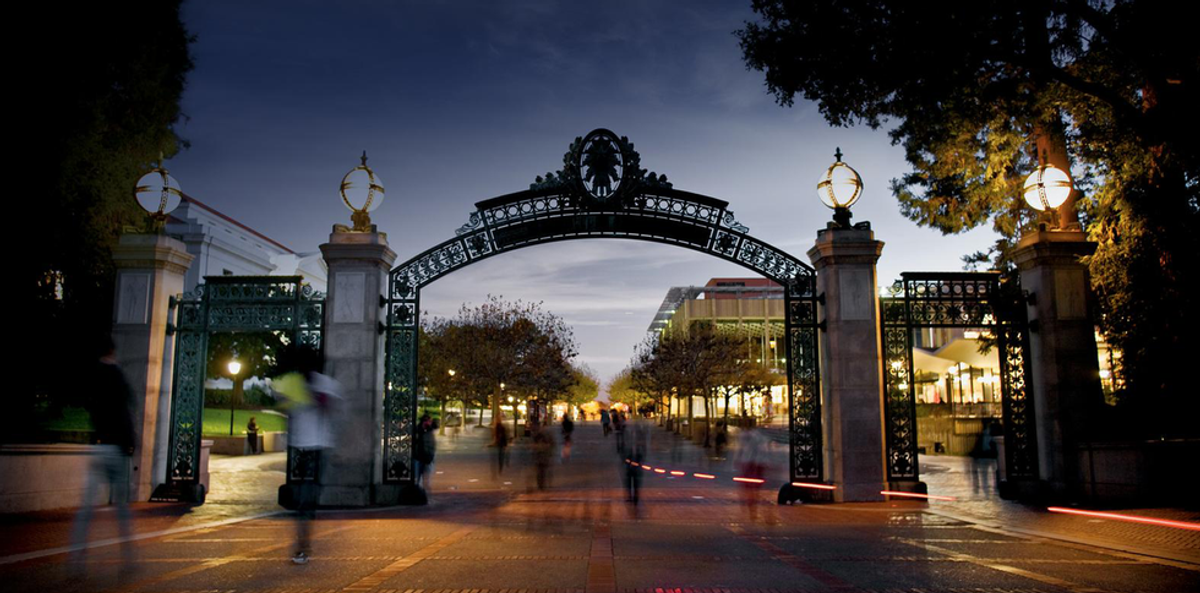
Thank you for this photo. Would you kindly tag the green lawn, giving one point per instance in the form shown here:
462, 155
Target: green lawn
216, 421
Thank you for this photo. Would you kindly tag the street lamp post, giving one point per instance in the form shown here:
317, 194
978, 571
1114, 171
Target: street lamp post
234, 368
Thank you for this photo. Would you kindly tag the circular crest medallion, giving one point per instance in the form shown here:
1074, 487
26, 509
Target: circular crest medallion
601, 165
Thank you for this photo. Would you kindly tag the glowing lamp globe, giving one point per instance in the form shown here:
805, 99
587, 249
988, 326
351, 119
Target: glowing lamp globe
158, 194
235, 367
362, 192
839, 188
1047, 188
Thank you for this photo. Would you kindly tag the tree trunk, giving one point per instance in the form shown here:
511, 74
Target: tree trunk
442, 417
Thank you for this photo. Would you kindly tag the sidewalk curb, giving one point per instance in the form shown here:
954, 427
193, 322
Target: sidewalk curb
117, 540
1192, 561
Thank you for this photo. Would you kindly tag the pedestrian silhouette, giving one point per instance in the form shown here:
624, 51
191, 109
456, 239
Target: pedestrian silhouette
110, 404
310, 398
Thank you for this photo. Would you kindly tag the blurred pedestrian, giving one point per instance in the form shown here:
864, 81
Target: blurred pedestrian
424, 450
619, 429
543, 447
605, 422
500, 440
638, 439
110, 405
720, 441
751, 464
310, 398
568, 428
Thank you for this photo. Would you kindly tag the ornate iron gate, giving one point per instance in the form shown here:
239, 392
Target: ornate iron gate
602, 191
955, 300
227, 304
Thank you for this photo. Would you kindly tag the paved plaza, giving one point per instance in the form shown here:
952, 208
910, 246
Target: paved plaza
492, 532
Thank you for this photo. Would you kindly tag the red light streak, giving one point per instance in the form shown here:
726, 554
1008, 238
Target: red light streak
659, 470
635, 464
705, 476
1130, 518
915, 495
676, 472
647, 468
816, 486
749, 480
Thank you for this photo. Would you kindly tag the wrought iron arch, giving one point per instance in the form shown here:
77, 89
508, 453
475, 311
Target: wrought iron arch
602, 192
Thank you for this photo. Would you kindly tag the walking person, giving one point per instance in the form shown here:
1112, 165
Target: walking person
543, 447
751, 464
311, 398
568, 428
424, 450
605, 422
500, 440
110, 405
638, 452
619, 428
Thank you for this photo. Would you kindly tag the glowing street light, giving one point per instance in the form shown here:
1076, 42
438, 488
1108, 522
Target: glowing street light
158, 194
839, 188
234, 368
1047, 188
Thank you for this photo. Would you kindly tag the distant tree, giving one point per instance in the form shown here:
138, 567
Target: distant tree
514, 344
585, 388
979, 93
100, 103
621, 389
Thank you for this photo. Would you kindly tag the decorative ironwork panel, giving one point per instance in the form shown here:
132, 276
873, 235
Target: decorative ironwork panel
1020, 442
303, 465
900, 410
400, 405
954, 300
187, 406
227, 304
804, 386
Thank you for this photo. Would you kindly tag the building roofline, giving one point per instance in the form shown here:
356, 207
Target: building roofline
230, 219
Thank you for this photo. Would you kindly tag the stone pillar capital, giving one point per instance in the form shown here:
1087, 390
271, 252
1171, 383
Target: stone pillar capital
1053, 248
845, 246
363, 248
154, 252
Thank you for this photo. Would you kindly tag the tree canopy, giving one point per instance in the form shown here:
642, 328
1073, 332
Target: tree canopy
99, 108
516, 344
979, 94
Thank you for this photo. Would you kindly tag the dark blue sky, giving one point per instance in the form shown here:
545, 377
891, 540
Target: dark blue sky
456, 102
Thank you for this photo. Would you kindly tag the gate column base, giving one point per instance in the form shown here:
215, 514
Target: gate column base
789, 494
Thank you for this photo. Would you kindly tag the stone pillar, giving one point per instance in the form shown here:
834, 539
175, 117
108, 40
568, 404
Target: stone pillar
352, 473
1063, 360
852, 363
150, 270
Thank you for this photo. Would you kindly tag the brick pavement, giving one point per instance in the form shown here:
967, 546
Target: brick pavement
499, 535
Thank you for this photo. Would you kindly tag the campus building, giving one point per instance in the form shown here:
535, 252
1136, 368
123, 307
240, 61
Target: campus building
749, 307
223, 246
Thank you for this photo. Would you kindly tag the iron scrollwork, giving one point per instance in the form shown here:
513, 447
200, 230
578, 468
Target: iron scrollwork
955, 300
601, 191
230, 304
